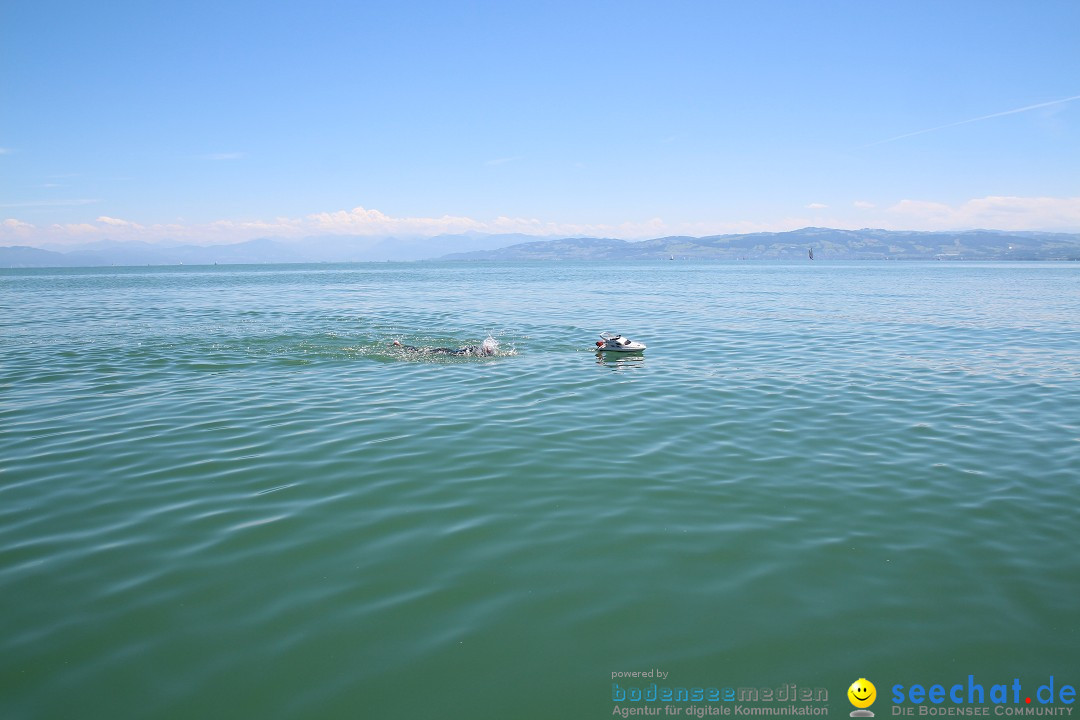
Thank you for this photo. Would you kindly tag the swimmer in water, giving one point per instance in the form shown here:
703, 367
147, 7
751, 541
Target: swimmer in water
485, 349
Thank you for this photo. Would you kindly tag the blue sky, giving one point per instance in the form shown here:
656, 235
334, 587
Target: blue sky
223, 121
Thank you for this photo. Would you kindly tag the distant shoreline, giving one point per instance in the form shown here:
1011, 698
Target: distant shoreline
827, 245
718, 261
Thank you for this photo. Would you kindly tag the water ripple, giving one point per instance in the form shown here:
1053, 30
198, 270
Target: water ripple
222, 484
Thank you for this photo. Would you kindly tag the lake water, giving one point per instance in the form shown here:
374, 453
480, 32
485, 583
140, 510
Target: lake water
223, 496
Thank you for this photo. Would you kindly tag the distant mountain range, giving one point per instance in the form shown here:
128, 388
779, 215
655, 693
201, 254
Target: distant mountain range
827, 244
328, 248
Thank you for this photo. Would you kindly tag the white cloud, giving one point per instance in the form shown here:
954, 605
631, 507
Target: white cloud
5, 151
359, 221
117, 223
15, 227
816, 206
75, 231
864, 205
994, 212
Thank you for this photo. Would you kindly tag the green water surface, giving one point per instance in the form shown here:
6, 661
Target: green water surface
222, 495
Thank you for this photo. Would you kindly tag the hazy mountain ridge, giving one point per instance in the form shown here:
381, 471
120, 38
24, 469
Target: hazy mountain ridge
827, 244
328, 248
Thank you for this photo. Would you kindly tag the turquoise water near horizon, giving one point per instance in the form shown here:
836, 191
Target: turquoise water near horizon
222, 494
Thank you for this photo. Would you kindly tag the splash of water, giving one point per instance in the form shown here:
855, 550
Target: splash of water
488, 348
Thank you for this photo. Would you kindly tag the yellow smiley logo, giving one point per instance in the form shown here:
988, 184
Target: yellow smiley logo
862, 693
